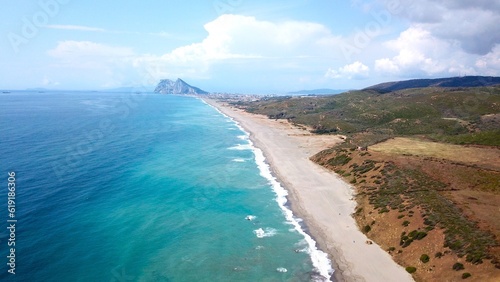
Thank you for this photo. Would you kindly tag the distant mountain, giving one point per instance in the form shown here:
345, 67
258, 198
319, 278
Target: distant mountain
465, 81
317, 91
167, 86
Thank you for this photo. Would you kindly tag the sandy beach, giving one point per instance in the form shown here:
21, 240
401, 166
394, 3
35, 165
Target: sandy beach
318, 196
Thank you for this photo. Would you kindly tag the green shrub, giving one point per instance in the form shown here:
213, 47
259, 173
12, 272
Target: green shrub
342, 159
475, 258
407, 243
411, 269
466, 275
429, 222
424, 258
367, 228
406, 223
383, 210
420, 235
458, 266
438, 255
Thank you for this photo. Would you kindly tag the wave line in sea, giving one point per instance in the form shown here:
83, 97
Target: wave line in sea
319, 259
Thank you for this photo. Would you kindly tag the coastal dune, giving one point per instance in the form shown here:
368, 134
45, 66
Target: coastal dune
318, 196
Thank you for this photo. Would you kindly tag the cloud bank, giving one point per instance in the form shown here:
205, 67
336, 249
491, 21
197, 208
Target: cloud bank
471, 24
441, 39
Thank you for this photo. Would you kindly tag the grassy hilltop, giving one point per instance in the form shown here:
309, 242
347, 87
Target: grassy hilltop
426, 166
458, 115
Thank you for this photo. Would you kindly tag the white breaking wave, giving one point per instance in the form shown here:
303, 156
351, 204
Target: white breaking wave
241, 147
243, 137
250, 217
319, 258
262, 233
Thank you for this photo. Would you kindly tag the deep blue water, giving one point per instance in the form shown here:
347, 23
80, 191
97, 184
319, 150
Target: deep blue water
139, 187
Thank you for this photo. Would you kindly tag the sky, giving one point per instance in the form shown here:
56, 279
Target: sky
244, 46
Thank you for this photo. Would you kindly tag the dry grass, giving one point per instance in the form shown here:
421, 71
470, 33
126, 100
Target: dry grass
454, 204
480, 156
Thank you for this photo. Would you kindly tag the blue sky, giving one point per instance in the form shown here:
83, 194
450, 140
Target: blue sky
244, 46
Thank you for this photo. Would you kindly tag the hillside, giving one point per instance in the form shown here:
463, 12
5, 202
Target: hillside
458, 115
167, 86
322, 91
465, 81
425, 164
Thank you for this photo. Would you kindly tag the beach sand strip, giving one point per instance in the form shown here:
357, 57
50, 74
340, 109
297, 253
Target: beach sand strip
320, 197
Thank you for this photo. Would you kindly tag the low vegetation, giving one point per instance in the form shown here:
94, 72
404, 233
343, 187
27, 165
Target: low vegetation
401, 190
411, 269
455, 115
367, 228
424, 258
458, 266
415, 183
489, 138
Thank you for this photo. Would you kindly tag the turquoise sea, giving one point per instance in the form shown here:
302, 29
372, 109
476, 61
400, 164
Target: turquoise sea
141, 187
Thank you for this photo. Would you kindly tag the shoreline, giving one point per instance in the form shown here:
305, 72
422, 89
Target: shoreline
319, 197
319, 259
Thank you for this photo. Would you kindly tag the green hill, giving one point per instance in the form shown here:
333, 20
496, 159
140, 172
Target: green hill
409, 189
456, 115
464, 81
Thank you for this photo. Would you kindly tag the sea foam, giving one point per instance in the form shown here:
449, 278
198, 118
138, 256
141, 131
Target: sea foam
241, 147
319, 259
281, 269
250, 217
267, 232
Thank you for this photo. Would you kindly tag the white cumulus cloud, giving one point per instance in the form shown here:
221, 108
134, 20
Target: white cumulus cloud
356, 70
489, 64
235, 46
473, 25
245, 41
419, 53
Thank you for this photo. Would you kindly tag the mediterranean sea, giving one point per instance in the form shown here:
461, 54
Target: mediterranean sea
141, 187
